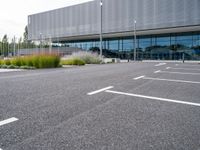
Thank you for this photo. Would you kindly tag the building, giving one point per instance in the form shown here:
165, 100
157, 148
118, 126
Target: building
166, 29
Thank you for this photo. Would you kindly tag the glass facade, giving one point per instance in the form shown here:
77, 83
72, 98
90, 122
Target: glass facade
154, 47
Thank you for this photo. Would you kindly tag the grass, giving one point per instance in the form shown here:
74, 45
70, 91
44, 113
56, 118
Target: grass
82, 58
45, 60
88, 57
73, 61
7, 62
16, 67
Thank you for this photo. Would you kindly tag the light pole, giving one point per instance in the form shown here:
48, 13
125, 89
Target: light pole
1, 48
135, 38
50, 46
101, 6
40, 42
14, 47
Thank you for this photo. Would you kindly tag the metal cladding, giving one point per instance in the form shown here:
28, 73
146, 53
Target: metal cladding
118, 16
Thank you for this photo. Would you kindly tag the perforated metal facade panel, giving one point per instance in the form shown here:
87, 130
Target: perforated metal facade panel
118, 16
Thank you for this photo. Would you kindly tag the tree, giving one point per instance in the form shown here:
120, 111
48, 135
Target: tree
5, 39
5, 44
25, 38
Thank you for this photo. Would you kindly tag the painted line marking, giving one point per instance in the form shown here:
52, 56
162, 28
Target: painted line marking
177, 64
186, 69
177, 72
154, 98
140, 77
160, 64
168, 67
171, 80
157, 71
7, 121
99, 91
190, 65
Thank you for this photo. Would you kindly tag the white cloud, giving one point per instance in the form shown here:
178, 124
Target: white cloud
13, 13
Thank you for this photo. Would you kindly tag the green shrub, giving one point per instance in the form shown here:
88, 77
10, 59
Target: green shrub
48, 61
1, 62
7, 62
87, 57
16, 61
37, 61
11, 67
73, 61
4, 66
17, 67
27, 67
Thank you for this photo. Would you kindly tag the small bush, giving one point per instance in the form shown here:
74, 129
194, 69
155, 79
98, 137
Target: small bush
27, 67
4, 66
17, 67
73, 61
38, 61
87, 57
11, 67
16, 61
35, 61
7, 62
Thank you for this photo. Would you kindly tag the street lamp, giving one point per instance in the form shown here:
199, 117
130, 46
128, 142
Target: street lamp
40, 42
14, 47
50, 46
101, 6
135, 38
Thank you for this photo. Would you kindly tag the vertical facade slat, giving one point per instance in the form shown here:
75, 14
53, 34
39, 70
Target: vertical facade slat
118, 16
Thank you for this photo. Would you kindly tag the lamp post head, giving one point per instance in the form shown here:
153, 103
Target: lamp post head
101, 3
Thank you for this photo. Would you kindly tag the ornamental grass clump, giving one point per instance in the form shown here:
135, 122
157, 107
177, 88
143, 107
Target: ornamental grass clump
45, 60
7, 62
88, 57
73, 61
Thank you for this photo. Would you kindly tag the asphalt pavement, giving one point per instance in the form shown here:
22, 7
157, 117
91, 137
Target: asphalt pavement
127, 106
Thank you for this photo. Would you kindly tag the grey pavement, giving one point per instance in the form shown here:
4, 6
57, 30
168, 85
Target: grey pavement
55, 112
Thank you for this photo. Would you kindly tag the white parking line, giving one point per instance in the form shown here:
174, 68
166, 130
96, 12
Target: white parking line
139, 77
157, 71
7, 121
99, 91
154, 98
177, 72
184, 69
168, 67
171, 80
160, 64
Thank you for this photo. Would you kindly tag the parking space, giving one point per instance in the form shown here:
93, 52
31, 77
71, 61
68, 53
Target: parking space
116, 106
176, 84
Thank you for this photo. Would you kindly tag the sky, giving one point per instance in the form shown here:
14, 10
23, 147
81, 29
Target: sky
14, 13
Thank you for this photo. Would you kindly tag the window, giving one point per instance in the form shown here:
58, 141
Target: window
128, 44
113, 45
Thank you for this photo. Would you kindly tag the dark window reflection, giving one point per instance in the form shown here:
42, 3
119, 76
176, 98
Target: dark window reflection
155, 47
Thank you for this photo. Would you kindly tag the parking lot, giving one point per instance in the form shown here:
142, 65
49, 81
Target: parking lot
142, 106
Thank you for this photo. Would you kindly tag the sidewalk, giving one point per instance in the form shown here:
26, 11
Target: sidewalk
9, 70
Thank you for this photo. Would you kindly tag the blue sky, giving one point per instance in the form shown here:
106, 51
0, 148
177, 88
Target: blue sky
13, 13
